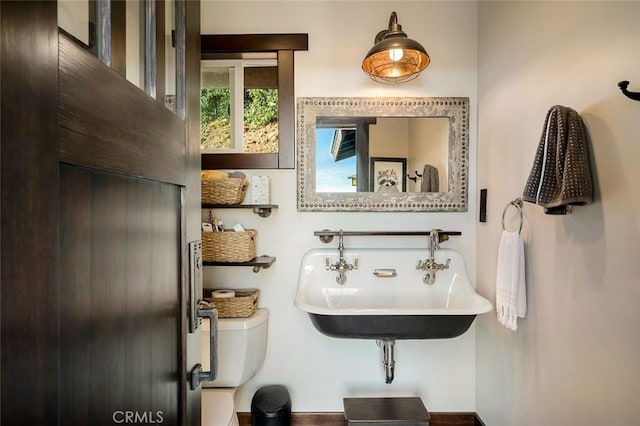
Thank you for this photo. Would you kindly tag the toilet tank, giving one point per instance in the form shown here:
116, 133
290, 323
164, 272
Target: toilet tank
242, 344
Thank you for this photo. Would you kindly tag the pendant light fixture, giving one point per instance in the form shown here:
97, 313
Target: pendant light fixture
395, 58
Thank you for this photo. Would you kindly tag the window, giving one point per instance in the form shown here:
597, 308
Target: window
143, 41
245, 48
239, 106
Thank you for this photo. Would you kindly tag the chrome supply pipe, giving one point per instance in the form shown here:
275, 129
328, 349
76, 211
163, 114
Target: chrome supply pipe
341, 265
388, 360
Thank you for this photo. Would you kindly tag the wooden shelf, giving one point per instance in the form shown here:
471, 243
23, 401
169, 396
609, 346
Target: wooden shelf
260, 262
262, 210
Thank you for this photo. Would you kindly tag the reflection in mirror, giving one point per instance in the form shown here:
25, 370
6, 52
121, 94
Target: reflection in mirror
351, 154
382, 154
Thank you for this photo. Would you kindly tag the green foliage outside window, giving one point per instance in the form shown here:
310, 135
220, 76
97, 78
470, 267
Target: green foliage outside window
260, 107
260, 119
214, 105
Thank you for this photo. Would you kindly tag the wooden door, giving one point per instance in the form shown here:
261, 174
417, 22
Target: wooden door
120, 298
98, 204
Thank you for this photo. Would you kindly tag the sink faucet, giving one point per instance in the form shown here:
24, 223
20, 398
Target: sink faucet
430, 265
341, 265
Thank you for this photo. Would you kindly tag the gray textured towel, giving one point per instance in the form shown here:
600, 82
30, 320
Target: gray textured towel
430, 179
561, 174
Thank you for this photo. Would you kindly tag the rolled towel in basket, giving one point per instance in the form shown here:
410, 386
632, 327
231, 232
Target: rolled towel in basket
219, 294
213, 174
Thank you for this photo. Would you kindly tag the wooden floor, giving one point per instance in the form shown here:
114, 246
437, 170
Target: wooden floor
337, 419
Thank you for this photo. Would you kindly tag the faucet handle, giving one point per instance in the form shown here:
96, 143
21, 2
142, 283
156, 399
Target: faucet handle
420, 264
441, 266
327, 264
355, 263
434, 236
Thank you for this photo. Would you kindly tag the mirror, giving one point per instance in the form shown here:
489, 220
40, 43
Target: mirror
383, 154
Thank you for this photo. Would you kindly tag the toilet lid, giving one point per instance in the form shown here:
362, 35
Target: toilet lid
218, 407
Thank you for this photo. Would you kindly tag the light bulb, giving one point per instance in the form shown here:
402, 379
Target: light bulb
394, 73
396, 54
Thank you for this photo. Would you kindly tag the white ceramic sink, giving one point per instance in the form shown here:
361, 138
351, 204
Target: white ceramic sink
367, 306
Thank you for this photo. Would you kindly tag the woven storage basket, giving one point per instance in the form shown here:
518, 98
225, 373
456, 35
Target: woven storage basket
243, 305
229, 246
224, 191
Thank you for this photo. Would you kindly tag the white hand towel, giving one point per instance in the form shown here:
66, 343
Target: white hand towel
511, 295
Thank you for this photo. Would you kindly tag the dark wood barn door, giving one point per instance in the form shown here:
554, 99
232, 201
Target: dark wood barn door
98, 203
120, 299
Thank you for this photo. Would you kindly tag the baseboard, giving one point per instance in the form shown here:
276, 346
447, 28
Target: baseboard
478, 420
303, 419
337, 419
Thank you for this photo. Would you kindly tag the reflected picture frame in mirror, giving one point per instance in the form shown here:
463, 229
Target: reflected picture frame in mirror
455, 109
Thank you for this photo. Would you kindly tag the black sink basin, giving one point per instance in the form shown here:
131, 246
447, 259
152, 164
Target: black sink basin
381, 327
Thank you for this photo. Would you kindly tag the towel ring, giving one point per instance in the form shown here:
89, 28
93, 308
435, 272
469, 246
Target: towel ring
517, 203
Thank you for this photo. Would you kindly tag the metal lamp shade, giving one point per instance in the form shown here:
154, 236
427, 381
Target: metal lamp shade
381, 68
395, 58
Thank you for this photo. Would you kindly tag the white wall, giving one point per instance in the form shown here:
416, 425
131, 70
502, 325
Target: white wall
134, 61
575, 358
73, 17
319, 371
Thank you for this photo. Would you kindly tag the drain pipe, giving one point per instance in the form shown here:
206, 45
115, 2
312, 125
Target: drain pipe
388, 360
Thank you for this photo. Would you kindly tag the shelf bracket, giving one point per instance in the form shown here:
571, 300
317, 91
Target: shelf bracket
257, 268
262, 211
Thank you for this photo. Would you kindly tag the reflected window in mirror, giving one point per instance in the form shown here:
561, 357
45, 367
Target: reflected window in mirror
258, 71
342, 152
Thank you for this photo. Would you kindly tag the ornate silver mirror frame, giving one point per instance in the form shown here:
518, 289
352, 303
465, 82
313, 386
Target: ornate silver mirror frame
454, 200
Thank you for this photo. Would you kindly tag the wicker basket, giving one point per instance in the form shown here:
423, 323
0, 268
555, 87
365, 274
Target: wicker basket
229, 246
224, 191
243, 305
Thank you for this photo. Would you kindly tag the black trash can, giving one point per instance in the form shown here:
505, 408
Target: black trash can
271, 406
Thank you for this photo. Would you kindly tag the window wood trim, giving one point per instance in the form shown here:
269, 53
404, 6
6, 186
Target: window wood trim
213, 46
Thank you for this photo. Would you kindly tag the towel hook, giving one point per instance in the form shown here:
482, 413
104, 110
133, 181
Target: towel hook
631, 95
517, 203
